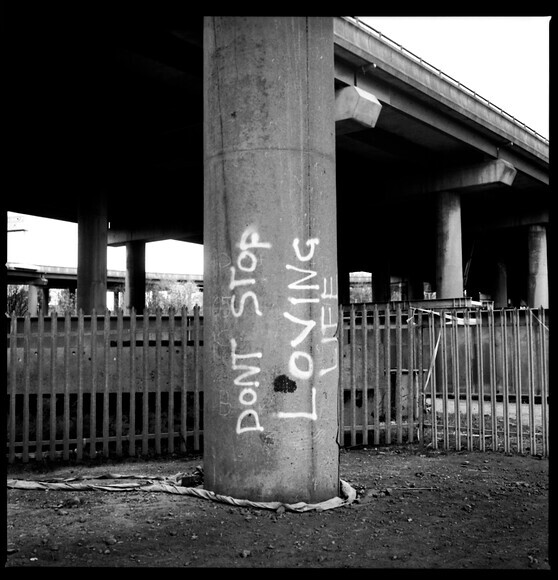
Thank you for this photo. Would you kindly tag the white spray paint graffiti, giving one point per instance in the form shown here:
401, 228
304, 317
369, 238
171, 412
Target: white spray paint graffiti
301, 362
305, 289
246, 261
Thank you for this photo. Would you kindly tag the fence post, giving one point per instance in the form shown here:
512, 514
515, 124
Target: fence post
435, 348
377, 387
79, 362
480, 375
492, 377
504, 327
40, 358
26, 385
158, 408
544, 384
398, 374
94, 382
53, 371
387, 373
197, 406
184, 390
170, 402
445, 389
132, 400
468, 397
67, 360
106, 391
364, 375
13, 386
341, 390
413, 384
352, 341
455, 378
145, 394
517, 381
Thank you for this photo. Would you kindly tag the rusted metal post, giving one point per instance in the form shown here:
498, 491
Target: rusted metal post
271, 293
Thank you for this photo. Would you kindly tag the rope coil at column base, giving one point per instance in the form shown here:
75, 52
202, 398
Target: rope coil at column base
170, 485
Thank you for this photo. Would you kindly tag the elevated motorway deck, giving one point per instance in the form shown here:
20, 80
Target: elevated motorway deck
133, 130
427, 107
62, 277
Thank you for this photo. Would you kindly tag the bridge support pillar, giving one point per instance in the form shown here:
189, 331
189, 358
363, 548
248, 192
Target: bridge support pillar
449, 258
501, 286
37, 299
270, 274
92, 254
381, 289
134, 292
538, 267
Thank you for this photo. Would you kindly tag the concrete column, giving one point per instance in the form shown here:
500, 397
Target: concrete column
135, 276
33, 300
501, 286
92, 253
449, 259
381, 284
538, 267
344, 282
270, 279
37, 299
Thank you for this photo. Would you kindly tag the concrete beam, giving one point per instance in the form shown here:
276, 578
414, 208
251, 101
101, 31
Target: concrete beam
511, 218
355, 110
121, 237
459, 179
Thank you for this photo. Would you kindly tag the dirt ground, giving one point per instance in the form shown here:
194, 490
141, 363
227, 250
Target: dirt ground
414, 509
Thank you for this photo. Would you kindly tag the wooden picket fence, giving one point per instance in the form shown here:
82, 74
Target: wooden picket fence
80, 386
113, 385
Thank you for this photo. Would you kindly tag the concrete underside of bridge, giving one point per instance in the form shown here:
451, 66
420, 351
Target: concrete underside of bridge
405, 188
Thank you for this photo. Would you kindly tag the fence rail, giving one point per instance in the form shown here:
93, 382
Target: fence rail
83, 386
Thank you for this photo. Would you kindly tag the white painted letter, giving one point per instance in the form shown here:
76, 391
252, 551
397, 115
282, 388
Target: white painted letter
331, 293
325, 326
295, 371
312, 242
253, 261
309, 324
250, 392
296, 285
254, 239
249, 370
313, 415
246, 413
234, 283
249, 294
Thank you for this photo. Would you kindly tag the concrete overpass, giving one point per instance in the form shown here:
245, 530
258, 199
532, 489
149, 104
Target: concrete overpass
122, 121
297, 150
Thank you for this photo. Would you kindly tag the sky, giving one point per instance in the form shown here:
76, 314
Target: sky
503, 59
49, 242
